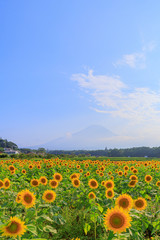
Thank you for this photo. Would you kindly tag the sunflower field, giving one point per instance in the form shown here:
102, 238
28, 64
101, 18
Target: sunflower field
79, 199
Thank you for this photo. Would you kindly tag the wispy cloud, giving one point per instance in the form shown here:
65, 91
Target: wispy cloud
136, 59
110, 95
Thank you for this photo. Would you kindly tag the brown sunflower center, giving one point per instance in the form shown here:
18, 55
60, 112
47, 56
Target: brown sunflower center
109, 193
53, 183
1, 183
28, 198
148, 178
43, 180
11, 168
139, 203
93, 183
124, 203
13, 227
74, 176
35, 183
117, 220
133, 178
57, 177
132, 183
158, 183
109, 185
7, 183
91, 195
76, 182
49, 196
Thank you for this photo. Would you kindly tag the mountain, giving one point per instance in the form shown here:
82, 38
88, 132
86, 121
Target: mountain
90, 138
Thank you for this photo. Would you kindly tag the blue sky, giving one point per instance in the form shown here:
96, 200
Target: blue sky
65, 65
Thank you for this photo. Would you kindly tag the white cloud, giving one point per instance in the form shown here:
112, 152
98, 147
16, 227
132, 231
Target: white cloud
137, 59
113, 97
149, 47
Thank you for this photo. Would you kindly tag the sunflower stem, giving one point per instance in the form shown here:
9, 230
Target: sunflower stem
95, 220
118, 236
95, 229
36, 215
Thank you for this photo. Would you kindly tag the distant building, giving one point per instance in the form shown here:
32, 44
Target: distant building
10, 151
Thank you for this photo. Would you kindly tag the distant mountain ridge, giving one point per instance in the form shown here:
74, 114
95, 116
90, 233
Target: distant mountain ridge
92, 137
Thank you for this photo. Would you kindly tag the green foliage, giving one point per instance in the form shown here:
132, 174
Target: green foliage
7, 144
3, 155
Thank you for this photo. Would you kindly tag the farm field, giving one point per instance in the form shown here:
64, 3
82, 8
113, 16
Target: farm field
67, 199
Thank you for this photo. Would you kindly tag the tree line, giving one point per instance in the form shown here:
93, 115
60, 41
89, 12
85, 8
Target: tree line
115, 152
4, 143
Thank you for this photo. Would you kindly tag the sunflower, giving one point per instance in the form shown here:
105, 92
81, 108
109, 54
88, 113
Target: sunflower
120, 173
15, 227
34, 182
23, 171
135, 171
93, 183
18, 198
76, 182
76, 238
132, 183
11, 168
30, 166
53, 183
102, 183
12, 172
126, 168
74, 175
27, 198
109, 184
1, 184
58, 177
148, 178
133, 177
6, 183
117, 220
109, 193
124, 201
49, 196
101, 174
39, 166
43, 180
158, 183
91, 195
140, 204
86, 165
